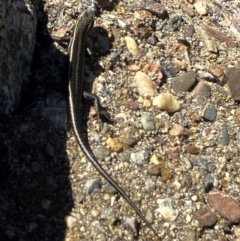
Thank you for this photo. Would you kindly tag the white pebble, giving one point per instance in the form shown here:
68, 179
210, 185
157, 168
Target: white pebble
167, 102
132, 46
146, 87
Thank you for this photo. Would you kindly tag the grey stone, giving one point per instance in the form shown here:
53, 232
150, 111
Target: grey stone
108, 214
225, 136
132, 224
79, 198
140, 157
123, 156
130, 136
190, 236
202, 74
93, 185
209, 180
56, 115
51, 183
147, 120
101, 152
233, 82
202, 91
209, 112
184, 82
36, 167
201, 162
108, 188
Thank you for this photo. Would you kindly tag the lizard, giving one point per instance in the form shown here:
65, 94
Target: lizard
76, 53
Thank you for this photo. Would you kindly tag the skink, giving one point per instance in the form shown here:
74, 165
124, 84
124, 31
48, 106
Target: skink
76, 94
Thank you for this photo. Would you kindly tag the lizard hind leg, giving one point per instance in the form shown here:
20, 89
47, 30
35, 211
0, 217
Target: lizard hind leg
101, 111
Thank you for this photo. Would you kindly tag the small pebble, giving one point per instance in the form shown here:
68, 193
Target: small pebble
132, 224
184, 82
147, 120
154, 170
93, 186
205, 217
167, 102
132, 47
178, 130
114, 144
166, 209
200, 7
140, 157
225, 136
70, 221
146, 87
209, 112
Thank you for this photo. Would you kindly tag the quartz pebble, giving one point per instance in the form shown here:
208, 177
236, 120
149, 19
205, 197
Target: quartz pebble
201, 7
70, 221
218, 72
237, 114
166, 209
167, 102
236, 231
146, 87
154, 160
132, 46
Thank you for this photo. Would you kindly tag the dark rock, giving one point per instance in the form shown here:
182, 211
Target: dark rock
225, 136
200, 162
184, 82
202, 91
205, 217
225, 205
233, 81
209, 112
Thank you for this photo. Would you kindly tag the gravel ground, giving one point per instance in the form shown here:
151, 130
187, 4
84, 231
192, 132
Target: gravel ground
169, 74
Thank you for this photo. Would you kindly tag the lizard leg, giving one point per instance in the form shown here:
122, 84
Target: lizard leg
101, 111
